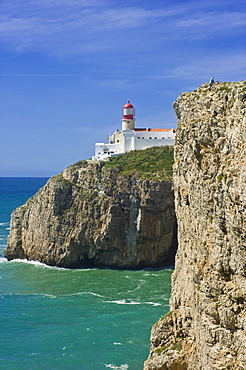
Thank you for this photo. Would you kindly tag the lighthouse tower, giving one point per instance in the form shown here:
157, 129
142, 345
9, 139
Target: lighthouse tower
128, 112
131, 138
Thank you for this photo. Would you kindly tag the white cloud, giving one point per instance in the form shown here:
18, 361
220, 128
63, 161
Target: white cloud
76, 29
216, 21
223, 67
81, 27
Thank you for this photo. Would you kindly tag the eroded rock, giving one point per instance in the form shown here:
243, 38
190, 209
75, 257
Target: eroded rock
90, 216
208, 302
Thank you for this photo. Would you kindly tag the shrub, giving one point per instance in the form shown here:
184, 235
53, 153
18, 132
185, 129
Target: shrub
153, 163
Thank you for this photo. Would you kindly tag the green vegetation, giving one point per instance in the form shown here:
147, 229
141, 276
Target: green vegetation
60, 179
161, 349
225, 88
87, 194
153, 163
168, 314
172, 346
221, 177
82, 163
177, 346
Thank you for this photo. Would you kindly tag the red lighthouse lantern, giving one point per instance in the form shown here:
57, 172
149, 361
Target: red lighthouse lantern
128, 112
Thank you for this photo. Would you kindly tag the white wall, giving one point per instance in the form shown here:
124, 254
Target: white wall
148, 143
134, 140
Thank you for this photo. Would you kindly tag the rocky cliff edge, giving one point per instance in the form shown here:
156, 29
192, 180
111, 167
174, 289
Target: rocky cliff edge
91, 216
206, 327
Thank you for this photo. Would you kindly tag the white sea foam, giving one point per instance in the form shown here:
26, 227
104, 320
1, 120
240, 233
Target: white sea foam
31, 295
95, 294
48, 295
36, 263
4, 223
84, 293
150, 274
117, 344
132, 290
3, 260
33, 354
121, 367
71, 295
155, 304
124, 301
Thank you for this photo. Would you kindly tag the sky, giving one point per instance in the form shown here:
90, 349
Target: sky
68, 67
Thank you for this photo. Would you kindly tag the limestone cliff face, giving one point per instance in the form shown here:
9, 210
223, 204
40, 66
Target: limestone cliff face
206, 327
89, 216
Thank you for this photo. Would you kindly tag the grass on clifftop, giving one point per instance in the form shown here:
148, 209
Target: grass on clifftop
153, 163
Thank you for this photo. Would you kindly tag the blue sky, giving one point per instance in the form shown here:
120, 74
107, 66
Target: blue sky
68, 67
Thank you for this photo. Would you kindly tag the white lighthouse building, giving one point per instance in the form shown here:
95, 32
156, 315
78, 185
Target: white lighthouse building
131, 138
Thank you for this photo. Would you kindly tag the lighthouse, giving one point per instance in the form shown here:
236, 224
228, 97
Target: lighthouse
131, 138
128, 112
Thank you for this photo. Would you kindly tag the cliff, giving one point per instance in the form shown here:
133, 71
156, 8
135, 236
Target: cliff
206, 327
101, 214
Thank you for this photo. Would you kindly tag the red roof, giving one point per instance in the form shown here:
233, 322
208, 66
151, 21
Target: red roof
155, 129
128, 105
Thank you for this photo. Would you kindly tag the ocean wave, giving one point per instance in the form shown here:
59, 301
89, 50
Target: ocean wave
36, 263
44, 265
133, 290
91, 293
3, 260
155, 304
124, 301
4, 223
78, 294
30, 295
46, 295
121, 367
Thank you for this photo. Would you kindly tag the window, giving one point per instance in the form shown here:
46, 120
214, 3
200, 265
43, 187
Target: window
138, 137
142, 137
118, 141
155, 137
150, 137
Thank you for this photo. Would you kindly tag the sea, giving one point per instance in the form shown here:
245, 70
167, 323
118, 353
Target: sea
57, 318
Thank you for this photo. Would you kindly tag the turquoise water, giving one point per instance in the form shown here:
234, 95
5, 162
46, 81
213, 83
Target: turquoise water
53, 318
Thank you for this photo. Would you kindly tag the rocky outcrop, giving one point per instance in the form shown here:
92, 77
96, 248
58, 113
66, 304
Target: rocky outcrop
206, 327
91, 216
